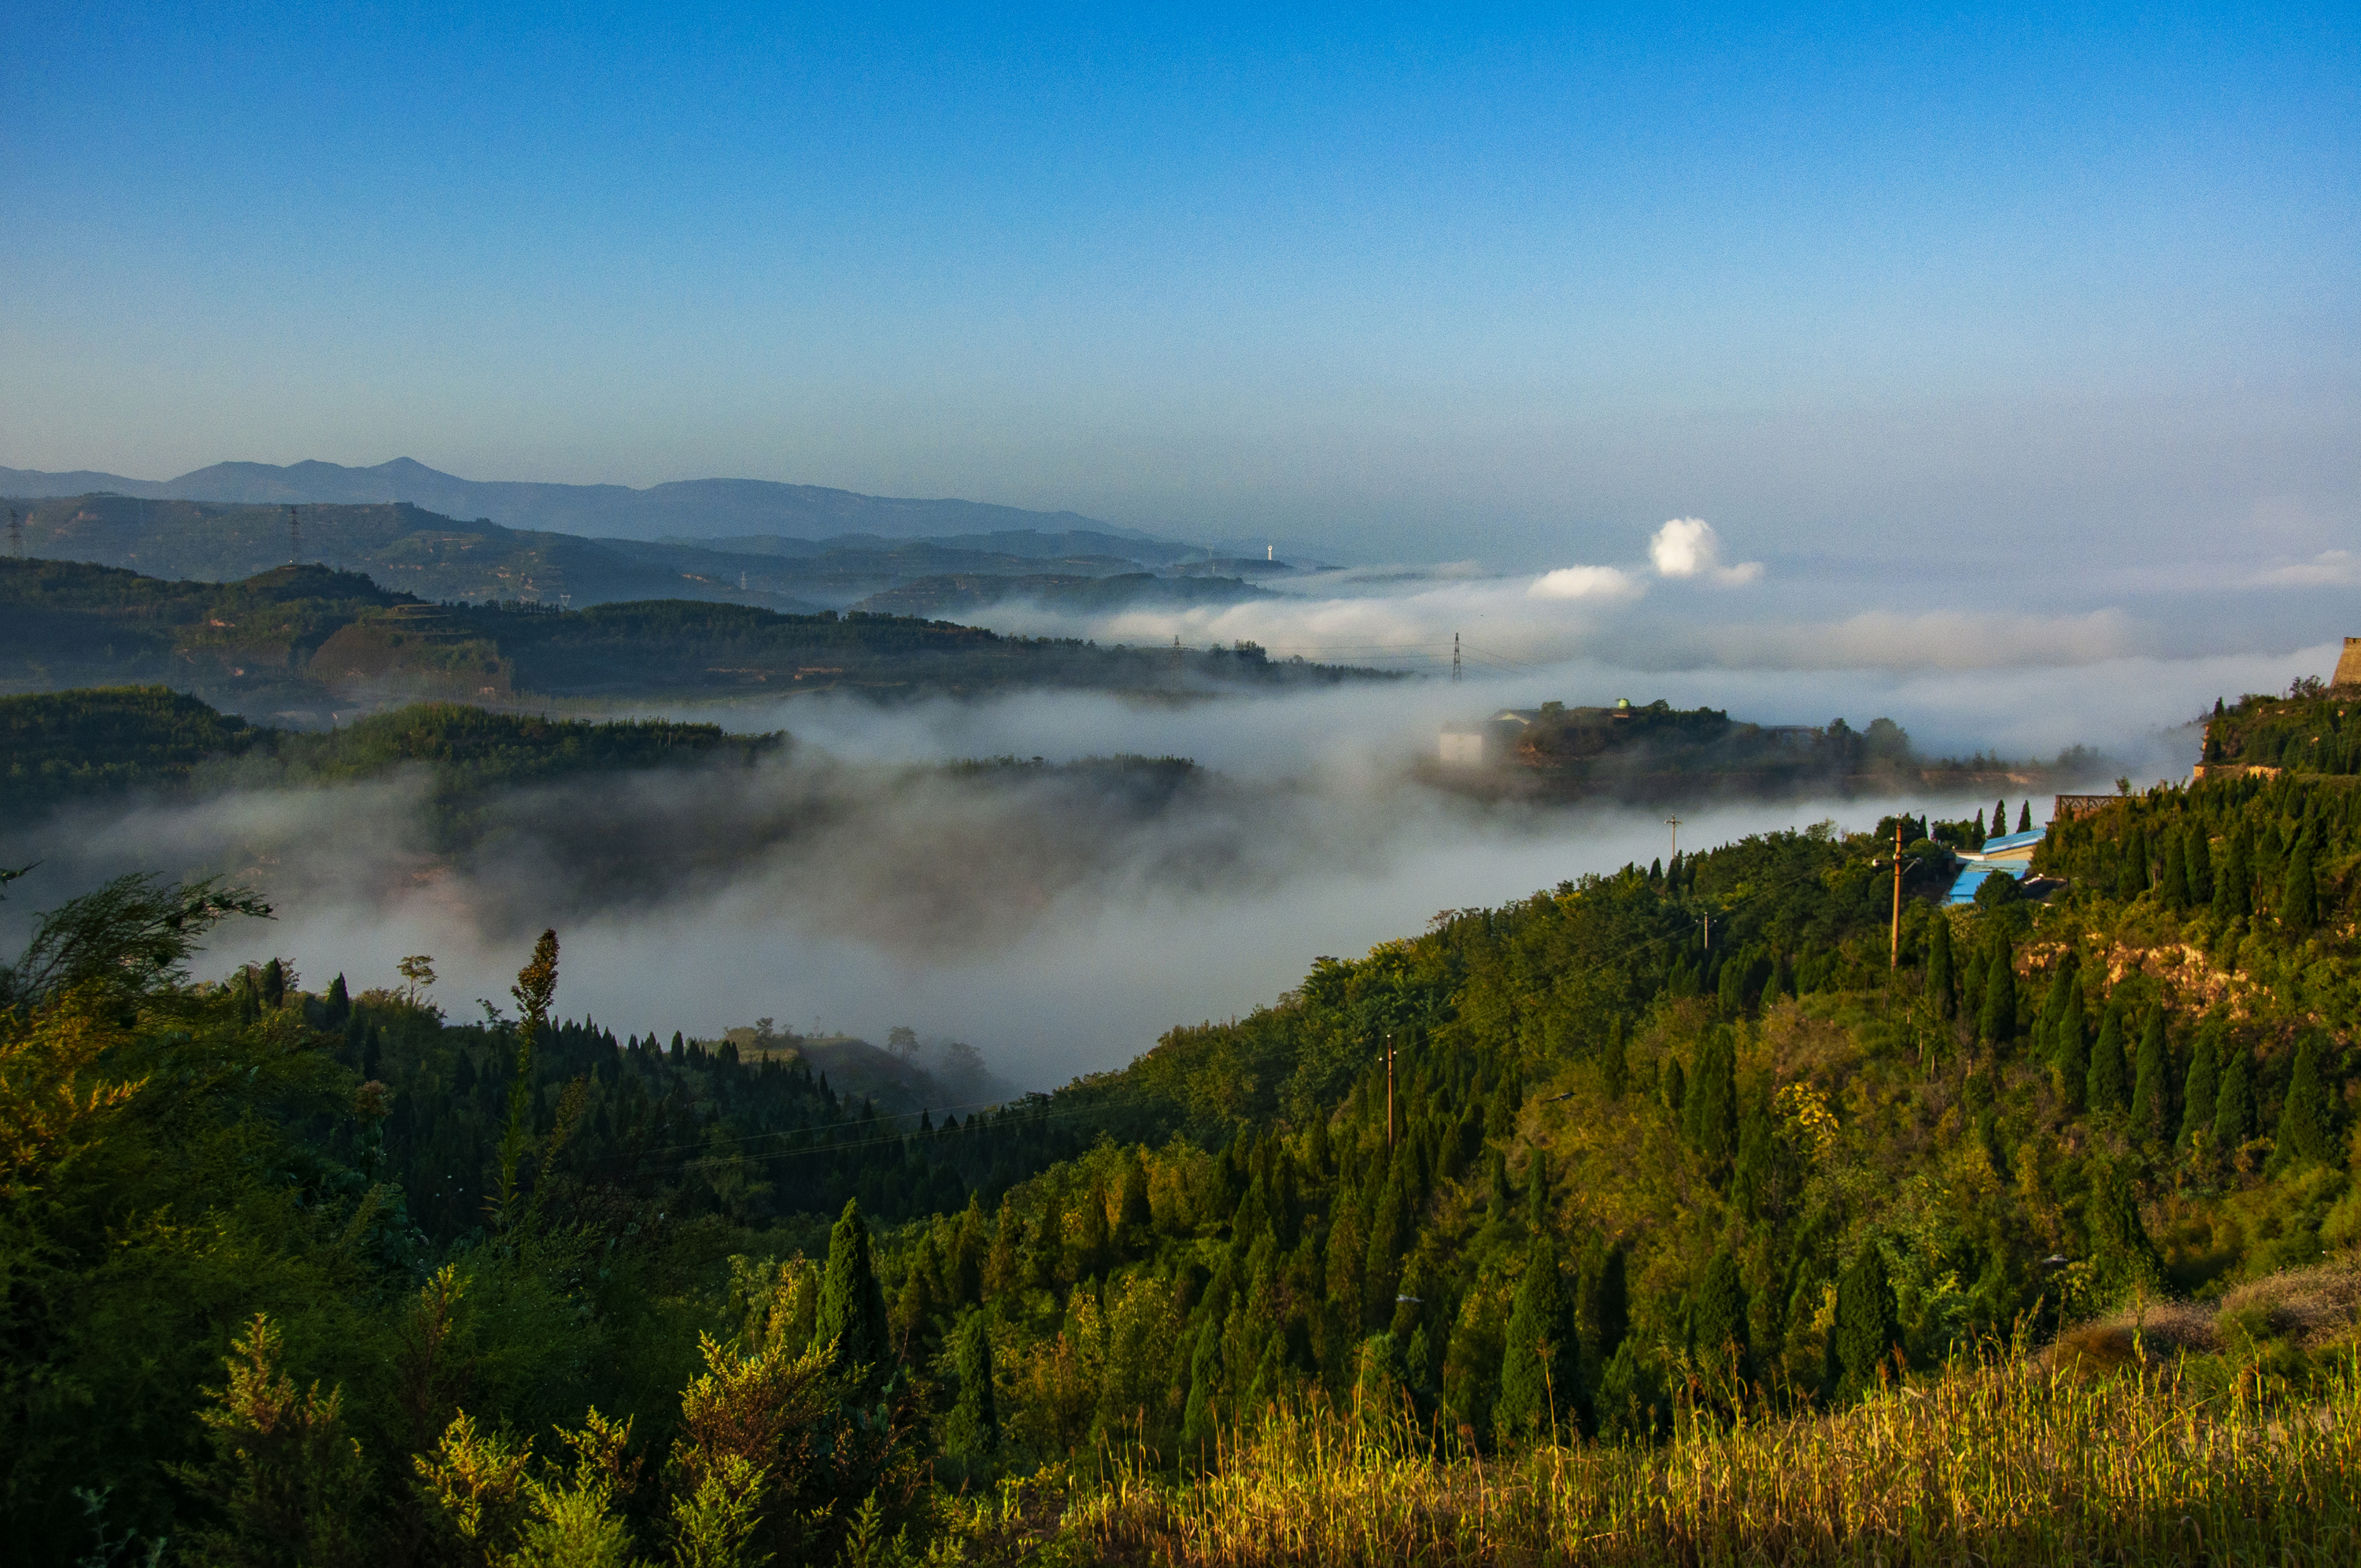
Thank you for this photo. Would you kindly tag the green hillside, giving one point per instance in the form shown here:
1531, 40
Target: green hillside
1553, 1231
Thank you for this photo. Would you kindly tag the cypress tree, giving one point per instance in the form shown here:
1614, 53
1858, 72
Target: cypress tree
1996, 1020
2000, 818
2172, 873
340, 1005
915, 1305
2152, 1119
1866, 1328
1718, 1333
2109, 1084
2233, 1104
2204, 1073
1981, 834
2304, 1134
1711, 1115
851, 1306
2117, 1242
2131, 877
2025, 817
973, 1430
2230, 882
274, 985
1940, 986
1676, 1087
1136, 1219
2070, 1053
2299, 897
2053, 1009
2199, 854
1540, 1392
1198, 1421
1606, 1304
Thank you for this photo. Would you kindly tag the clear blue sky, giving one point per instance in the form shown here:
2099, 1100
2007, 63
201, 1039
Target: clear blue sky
1515, 285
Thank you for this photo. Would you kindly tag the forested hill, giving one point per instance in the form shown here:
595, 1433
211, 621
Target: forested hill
1563, 1172
82, 746
2310, 730
300, 643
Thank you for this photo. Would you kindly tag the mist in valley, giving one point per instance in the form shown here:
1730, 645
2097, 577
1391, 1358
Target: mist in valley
1056, 913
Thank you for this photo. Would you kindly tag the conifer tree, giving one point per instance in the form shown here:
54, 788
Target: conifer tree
340, 1005
536, 988
1537, 1194
1198, 1421
2110, 1089
2118, 1243
2131, 876
1540, 1393
915, 1305
1866, 1329
2197, 1095
2053, 1009
2172, 873
2199, 852
973, 1430
1981, 834
1718, 1331
2070, 1053
1710, 1116
1090, 1258
2299, 897
1676, 1088
1614, 1063
1997, 1021
2025, 817
1606, 1304
274, 985
2000, 819
2233, 1104
851, 1306
1002, 1262
1941, 988
2152, 1118
2231, 879
1135, 1217
2304, 1137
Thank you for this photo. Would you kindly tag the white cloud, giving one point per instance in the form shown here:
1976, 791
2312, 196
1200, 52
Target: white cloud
2329, 569
1586, 582
1688, 547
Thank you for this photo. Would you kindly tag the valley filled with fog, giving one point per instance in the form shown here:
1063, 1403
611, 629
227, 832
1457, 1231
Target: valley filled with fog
1055, 915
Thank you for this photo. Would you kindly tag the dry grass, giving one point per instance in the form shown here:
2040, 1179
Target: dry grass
2004, 1461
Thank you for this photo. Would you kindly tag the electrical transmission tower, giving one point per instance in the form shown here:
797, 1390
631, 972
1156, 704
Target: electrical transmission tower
15, 533
294, 537
1455, 658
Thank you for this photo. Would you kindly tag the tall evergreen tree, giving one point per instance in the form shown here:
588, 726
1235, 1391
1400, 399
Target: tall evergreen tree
1711, 1113
1198, 1420
1606, 1304
2233, 1104
2025, 817
2110, 1085
1867, 1327
2000, 819
1941, 987
2131, 875
2053, 1009
2300, 896
274, 985
851, 1306
1135, 1218
1539, 1386
2152, 1118
1537, 1194
2200, 855
340, 1005
2172, 871
1718, 1331
1614, 1062
2230, 878
2305, 1136
973, 1430
1996, 1020
2070, 1056
2197, 1094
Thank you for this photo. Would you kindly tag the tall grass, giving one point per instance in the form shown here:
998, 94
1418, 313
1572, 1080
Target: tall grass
2000, 1462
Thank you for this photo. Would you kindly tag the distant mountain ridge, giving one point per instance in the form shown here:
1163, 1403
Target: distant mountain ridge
696, 508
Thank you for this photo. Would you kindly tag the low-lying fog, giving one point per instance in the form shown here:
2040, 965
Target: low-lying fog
1055, 921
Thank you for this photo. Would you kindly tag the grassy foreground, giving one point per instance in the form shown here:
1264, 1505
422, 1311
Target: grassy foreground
2007, 1462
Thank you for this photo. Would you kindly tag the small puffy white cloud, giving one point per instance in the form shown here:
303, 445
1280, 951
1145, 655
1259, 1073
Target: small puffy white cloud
1688, 547
2329, 569
1586, 582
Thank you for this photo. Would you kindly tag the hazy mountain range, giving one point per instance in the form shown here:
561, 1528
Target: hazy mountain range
696, 508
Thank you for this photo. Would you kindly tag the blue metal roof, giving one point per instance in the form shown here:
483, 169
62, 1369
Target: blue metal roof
1963, 887
2013, 841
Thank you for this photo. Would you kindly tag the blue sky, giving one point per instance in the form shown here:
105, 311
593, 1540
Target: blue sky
1515, 285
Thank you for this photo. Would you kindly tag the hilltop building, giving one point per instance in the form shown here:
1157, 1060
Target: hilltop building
2348, 665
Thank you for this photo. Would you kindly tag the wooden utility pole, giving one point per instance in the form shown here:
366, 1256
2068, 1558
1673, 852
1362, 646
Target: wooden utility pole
1389, 1090
1894, 962
1674, 824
